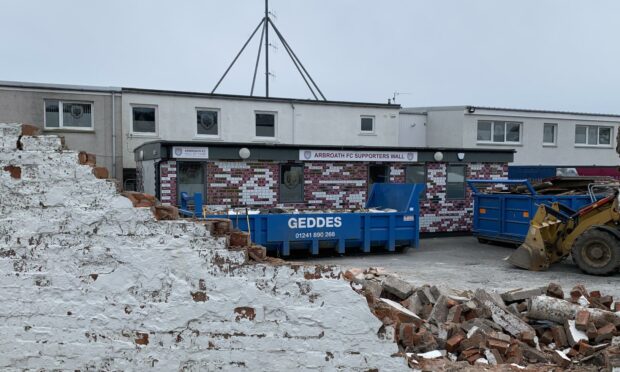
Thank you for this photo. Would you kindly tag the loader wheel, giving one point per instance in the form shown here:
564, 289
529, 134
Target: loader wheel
597, 252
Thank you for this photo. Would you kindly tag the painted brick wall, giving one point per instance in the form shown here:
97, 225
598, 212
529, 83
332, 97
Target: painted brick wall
333, 185
168, 182
439, 214
91, 283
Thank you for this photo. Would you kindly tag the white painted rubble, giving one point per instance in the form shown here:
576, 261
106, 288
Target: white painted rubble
89, 282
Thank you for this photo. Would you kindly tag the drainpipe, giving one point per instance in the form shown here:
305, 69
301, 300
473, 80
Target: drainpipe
113, 135
293, 107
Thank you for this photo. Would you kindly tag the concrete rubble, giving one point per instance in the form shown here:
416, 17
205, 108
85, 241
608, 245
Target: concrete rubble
442, 329
92, 280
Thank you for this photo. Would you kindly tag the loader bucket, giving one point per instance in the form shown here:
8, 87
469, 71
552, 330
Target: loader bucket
531, 255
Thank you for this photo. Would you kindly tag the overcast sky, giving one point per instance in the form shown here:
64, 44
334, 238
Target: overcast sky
545, 54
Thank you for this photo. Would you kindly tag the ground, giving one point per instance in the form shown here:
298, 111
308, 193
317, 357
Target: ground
463, 263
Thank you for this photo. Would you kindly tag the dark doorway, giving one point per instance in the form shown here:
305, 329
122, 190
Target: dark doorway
378, 174
190, 179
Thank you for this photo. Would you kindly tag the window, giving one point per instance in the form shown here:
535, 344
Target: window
499, 131
65, 114
265, 125
455, 186
550, 133
291, 183
416, 174
367, 124
144, 120
206, 123
593, 135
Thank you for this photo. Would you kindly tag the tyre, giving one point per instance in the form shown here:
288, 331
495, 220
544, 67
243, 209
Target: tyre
597, 252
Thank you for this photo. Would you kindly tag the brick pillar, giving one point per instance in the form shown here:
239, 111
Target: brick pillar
168, 182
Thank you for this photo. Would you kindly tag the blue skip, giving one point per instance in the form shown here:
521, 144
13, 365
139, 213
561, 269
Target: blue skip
506, 217
281, 233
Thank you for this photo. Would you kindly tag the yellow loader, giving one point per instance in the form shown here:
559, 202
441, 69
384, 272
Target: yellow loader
591, 235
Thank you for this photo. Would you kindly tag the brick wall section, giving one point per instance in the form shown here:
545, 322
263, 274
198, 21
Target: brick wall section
334, 185
439, 214
243, 183
91, 283
168, 182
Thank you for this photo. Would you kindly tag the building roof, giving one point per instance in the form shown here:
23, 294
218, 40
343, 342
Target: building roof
259, 98
69, 87
423, 110
88, 88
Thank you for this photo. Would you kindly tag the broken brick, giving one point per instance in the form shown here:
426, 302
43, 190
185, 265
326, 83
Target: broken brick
546, 337
454, 341
581, 320
30, 130
397, 287
101, 173
85, 158
165, 212
454, 314
585, 348
554, 290
605, 333
14, 171
406, 332
239, 239
528, 337
501, 346
199, 296
559, 336
591, 331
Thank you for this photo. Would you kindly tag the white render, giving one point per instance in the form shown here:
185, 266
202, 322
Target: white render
296, 123
455, 127
91, 283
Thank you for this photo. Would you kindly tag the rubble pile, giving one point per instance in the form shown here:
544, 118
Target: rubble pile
485, 329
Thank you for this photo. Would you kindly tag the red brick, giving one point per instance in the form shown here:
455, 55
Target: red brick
454, 341
14, 171
101, 172
30, 130
165, 213
585, 349
501, 346
605, 333
559, 336
85, 158
581, 320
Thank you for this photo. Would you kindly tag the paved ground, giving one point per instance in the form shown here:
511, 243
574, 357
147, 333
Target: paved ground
463, 263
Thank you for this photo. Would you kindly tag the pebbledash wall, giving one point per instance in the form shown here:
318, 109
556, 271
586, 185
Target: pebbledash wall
336, 185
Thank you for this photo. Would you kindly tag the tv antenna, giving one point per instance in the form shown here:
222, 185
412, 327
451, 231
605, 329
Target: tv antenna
265, 22
398, 94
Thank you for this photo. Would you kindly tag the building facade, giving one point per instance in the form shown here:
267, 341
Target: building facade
317, 177
89, 118
540, 138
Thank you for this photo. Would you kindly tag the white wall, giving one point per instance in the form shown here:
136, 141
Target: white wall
296, 123
445, 128
531, 150
412, 129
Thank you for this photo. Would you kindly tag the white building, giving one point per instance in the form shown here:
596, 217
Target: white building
150, 115
552, 138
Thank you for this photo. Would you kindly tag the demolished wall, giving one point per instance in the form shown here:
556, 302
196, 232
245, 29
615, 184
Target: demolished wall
87, 281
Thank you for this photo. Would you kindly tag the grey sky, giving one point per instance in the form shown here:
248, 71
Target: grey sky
549, 54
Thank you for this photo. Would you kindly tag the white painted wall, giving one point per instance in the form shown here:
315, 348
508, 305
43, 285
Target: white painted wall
412, 129
445, 128
531, 151
296, 123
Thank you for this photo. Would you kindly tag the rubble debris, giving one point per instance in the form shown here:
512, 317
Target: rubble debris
520, 328
397, 286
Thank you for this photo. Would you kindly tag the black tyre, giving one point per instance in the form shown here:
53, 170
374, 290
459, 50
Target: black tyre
597, 252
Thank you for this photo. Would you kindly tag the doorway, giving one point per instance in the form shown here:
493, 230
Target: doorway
378, 173
190, 179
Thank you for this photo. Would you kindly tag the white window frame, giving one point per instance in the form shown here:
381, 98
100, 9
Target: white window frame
219, 122
598, 128
367, 132
145, 134
506, 122
555, 135
61, 103
275, 126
